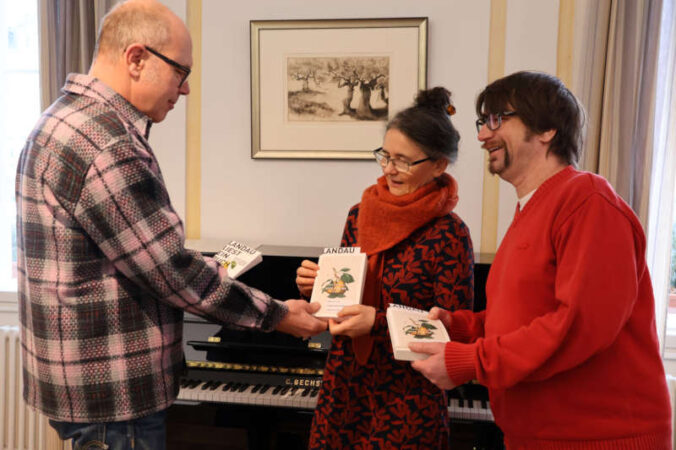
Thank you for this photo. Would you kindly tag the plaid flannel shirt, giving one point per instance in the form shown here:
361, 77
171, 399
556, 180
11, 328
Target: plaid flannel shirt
103, 275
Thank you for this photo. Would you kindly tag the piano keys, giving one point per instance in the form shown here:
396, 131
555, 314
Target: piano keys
470, 402
264, 390
249, 393
248, 367
251, 385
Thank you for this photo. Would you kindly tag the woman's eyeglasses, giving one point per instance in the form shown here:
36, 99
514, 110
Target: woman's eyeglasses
402, 166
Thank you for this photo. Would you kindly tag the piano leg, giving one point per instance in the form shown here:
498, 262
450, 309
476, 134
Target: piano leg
211, 426
475, 435
193, 427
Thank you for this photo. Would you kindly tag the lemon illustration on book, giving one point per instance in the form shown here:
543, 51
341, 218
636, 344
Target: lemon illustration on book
336, 287
229, 264
421, 329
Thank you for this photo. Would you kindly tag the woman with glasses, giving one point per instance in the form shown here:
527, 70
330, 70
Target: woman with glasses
420, 255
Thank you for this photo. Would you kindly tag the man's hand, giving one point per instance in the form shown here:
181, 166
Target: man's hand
305, 277
299, 320
357, 321
434, 367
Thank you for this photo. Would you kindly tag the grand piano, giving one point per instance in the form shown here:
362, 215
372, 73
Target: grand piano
252, 390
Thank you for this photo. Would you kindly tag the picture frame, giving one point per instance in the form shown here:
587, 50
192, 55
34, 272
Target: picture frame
324, 89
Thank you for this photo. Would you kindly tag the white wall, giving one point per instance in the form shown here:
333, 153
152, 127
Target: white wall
168, 139
303, 202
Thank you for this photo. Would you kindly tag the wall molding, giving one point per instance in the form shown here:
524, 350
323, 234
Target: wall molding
9, 307
491, 186
566, 42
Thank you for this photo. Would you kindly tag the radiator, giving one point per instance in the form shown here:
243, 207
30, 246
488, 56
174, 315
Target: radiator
21, 428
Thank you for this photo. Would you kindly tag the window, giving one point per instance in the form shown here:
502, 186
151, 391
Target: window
662, 221
670, 341
672, 278
19, 110
671, 318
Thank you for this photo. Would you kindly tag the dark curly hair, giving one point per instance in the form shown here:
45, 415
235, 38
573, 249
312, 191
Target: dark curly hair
542, 102
427, 123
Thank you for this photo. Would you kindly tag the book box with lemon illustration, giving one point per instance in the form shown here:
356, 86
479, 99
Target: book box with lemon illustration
340, 280
237, 258
407, 325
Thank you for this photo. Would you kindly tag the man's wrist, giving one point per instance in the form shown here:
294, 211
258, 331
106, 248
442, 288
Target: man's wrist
276, 312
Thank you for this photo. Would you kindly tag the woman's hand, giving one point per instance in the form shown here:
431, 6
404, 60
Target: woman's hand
305, 277
357, 320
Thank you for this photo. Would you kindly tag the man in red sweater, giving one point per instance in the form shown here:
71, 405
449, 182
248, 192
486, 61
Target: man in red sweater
567, 345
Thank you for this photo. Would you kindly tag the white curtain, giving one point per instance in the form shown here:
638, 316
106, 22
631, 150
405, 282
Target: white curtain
660, 224
68, 31
615, 76
623, 74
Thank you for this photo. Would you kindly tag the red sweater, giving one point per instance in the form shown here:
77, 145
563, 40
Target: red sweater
567, 345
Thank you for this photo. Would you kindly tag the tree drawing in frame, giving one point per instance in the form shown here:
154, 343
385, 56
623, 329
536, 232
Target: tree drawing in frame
347, 88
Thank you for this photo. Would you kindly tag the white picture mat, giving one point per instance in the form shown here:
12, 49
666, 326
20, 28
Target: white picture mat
275, 45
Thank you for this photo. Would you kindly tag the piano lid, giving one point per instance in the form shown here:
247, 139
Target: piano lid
275, 275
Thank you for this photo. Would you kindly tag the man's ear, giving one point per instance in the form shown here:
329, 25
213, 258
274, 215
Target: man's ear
135, 57
440, 166
547, 136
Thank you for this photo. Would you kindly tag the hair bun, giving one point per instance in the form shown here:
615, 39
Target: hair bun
438, 98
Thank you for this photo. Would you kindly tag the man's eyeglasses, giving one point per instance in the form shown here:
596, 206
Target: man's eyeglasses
185, 70
399, 164
492, 121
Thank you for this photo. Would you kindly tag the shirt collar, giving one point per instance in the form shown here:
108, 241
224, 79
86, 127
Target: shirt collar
523, 200
89, 86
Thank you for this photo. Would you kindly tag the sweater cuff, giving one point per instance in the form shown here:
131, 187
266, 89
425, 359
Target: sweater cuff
459, 360
275, 312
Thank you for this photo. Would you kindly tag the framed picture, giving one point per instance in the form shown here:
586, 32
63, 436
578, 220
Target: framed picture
325, 89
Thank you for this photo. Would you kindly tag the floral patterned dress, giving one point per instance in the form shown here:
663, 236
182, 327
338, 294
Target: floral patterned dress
385, 403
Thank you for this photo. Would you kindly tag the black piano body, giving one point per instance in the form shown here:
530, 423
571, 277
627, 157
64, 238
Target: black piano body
250, 390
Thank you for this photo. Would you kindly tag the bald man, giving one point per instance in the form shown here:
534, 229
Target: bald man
103, 275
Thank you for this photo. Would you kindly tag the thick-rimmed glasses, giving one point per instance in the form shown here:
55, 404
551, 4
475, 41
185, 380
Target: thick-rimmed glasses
492, 121
399, 164
185, 70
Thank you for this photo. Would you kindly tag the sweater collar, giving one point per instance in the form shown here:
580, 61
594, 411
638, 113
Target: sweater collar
549, 184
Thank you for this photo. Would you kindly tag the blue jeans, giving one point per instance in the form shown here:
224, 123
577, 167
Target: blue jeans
144, 433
